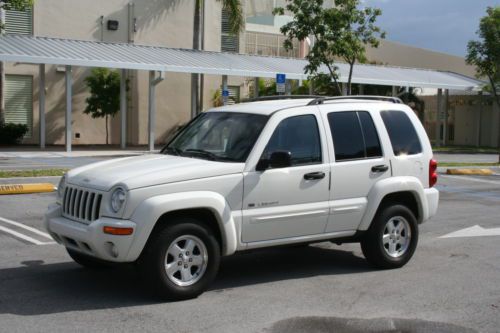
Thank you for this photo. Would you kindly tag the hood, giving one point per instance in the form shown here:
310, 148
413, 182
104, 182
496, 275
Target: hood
147, 170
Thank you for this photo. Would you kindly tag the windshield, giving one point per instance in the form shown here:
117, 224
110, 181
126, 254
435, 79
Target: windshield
218, 136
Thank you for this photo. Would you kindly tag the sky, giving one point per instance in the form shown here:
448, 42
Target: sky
439, 25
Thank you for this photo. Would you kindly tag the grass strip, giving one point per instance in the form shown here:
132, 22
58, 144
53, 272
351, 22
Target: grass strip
32, 173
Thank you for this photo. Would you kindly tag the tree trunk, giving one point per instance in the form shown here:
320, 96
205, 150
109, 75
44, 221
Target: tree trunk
106, 130
196, 46
349, 86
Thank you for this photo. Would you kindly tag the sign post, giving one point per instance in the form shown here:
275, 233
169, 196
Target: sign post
280, 83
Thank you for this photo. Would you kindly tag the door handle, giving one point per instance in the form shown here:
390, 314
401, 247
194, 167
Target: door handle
380, 168
314, 175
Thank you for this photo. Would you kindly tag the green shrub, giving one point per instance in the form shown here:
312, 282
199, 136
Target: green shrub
11, 134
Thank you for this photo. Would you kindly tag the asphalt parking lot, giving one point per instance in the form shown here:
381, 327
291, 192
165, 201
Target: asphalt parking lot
451, 284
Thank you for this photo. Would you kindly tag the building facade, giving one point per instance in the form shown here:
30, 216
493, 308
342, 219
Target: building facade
169, 23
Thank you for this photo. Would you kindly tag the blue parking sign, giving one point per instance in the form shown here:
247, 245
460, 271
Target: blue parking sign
280, 78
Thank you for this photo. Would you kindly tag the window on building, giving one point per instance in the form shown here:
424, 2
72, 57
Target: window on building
354, 135
19, 101
403, 135
19, 22
300, 136
229, 42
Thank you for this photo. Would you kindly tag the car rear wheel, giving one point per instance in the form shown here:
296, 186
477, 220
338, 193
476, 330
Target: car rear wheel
181, 260
392, 238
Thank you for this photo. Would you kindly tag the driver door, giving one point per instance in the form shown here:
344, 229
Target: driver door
288, 201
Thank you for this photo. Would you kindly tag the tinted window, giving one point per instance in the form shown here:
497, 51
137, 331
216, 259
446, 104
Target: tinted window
403, 135
354, 135
370, 135
300, 136
347, 137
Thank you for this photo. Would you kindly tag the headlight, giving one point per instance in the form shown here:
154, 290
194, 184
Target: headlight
61, 187
118, 199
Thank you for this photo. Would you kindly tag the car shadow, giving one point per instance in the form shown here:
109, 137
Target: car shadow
39, 288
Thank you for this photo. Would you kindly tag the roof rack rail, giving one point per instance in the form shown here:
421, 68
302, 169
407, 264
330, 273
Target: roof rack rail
321, 100
280, 97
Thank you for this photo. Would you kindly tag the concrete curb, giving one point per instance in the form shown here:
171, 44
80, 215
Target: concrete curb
26, 188
476, 172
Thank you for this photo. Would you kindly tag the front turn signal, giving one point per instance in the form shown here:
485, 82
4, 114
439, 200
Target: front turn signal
117, 231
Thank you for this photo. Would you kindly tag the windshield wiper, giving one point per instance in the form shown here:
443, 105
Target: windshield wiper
173, 151
207, 154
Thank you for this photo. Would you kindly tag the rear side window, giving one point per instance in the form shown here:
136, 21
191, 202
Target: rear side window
402, 133
300, 136
354, 135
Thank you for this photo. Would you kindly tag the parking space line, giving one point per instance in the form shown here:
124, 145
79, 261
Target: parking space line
24, 237
20, 225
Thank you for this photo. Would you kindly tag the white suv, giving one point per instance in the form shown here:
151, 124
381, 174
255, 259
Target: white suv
254, 175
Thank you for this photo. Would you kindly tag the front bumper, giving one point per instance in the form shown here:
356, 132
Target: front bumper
90, 239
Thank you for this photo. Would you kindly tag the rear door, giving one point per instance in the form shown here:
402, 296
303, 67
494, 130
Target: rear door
359, 162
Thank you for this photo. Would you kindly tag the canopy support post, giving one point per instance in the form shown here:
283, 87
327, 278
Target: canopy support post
41, 104
361, 89
153, 81
123, 109
69, 95
438, 117
445, 114
394, 91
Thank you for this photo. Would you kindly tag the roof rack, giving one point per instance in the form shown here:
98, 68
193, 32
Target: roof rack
321, 100
280, 97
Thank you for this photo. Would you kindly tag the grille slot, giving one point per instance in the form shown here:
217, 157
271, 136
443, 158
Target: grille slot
82, 205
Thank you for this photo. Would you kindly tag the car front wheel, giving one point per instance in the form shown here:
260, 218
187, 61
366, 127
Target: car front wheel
392, 238
181, 260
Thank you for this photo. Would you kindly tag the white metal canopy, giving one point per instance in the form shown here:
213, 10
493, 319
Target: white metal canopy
43, 50
68, 52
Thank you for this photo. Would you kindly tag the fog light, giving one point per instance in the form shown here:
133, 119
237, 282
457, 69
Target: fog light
113, 251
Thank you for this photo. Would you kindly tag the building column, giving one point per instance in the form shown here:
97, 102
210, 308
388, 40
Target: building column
479, 123
288, 87
361, 89
256, 88
394, 91
41, 104
123, 109
69, 95
224, 89
344, 89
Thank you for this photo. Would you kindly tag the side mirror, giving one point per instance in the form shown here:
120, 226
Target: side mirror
278, 159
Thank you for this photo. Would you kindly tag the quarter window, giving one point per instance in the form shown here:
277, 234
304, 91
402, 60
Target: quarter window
300, 136
403, 135
354, 135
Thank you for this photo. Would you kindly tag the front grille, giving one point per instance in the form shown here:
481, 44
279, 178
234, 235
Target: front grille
81, 204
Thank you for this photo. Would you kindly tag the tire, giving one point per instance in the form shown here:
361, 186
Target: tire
172, 272
87, 261
392, 237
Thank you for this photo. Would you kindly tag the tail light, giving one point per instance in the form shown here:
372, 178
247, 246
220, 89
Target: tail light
433, 176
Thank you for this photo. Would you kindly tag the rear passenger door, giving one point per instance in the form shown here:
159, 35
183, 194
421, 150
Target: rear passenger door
359, 162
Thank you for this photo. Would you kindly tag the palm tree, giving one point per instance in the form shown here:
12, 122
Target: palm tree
236, 24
